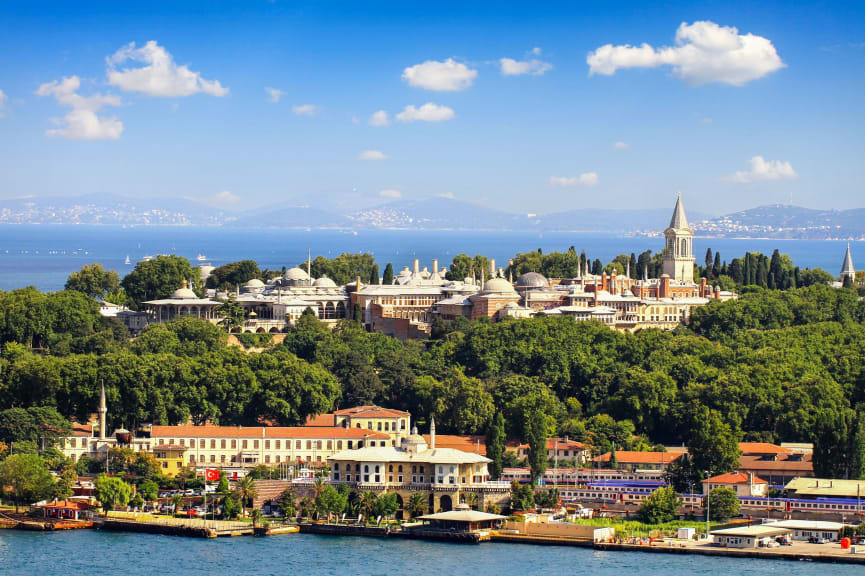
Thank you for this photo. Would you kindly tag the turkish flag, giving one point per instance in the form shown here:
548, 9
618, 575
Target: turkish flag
211, 475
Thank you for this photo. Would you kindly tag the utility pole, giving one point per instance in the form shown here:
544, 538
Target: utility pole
708, 500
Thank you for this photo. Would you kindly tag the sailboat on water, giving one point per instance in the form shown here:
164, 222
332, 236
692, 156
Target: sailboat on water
127, 261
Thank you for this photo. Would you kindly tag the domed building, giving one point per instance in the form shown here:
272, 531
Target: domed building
491, 301
324, 282
532, 281
253, 286
295, 277
183, 302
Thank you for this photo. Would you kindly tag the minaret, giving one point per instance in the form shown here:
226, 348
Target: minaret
309, 265
103, 410
847, 270
678, 252
432, 433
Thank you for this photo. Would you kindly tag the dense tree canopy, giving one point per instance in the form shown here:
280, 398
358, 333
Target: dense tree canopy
157, 278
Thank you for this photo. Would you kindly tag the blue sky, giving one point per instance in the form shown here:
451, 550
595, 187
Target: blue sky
731, 122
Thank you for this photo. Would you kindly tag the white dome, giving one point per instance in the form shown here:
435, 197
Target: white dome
405, 272
532, 280
498, 286
324, 282
254, 283
295, 274
184, 294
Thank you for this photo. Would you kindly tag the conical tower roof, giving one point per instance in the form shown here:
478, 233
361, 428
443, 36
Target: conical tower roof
847, 267
679, 220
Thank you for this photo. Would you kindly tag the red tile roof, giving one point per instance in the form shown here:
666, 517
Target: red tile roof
473, 444
628, 457
782, 463
170, 447
320, 420
371, 412
564, 444
82, 429
324, 433
762, 448
68, 505
734, 478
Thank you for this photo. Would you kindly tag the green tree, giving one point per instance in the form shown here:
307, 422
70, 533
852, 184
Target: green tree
245, 492
94, 281
65, 484
177, 503
495, 442
288, 503
230, 315
25, 478
112, 491
522, 497
387, 279
373, 275
149, 490
714, 444
386, 505
416, 504
367, 504
157, 278
723, 503
330, 501
661, 506
229, 276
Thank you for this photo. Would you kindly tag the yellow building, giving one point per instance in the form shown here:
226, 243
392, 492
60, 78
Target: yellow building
170, 458
395, 423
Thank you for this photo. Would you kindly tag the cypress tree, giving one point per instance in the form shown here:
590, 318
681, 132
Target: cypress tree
709, 259
716, 267
776, 270
373, 274
496, 445
763, 273
746, 269
597, 267
387, 280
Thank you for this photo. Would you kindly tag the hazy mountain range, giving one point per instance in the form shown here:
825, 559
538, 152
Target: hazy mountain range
776, 221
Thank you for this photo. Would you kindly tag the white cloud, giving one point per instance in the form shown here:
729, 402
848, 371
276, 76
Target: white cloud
372, 155
379, 118
274, 94
533, 67
390, 193
447, 76
429, 112
448, 195
82, 122
305, 109
536, 50
2, 102
762, 170
585, 180
224, 198
159, 75
704, 52
620, 145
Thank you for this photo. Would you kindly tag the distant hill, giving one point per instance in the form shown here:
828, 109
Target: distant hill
774, 221
784, 221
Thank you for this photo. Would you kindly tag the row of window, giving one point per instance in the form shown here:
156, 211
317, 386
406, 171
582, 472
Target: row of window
267, 459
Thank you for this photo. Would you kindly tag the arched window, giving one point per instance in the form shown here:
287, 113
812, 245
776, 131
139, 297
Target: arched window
366, 468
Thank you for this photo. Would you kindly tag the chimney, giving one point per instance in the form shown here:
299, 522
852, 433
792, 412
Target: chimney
435, 267
492, 267
664, 288
416, 267
432, 433
357, 283
604, 281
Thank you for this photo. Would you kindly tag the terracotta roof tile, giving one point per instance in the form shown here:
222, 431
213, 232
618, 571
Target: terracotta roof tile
562, 443
324, 433
734, 478
476, 444
371, 412
320, 420
628, 457
762, 448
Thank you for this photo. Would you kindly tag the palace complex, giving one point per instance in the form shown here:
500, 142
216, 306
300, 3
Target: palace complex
407, 308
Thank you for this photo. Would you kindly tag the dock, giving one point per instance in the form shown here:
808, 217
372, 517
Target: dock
194, 527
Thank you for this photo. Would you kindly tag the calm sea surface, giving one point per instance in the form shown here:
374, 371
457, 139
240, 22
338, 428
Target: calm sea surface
107, 553
43, 256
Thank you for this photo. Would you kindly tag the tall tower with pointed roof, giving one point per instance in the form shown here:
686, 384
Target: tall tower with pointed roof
103, 410
847, 270
678, 251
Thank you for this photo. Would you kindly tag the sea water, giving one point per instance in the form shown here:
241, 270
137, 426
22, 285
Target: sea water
109, 553
44, 255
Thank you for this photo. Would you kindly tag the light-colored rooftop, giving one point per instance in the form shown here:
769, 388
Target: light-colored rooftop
463, 516
756, 531
392, 454
826, 487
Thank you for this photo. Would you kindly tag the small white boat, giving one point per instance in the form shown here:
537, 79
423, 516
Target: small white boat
147, 258
201, 258
127, 261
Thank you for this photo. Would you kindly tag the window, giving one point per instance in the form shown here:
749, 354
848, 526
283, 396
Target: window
254, 444
366, 468
390, 478
297, 445
377, 478
339, 444
376, 468
233, 444
267, 444
348, 477
399, 479
390, 468
366, 477
318, 444
202, 443
309, 444
182, 442
267, 458
278, 444
330, 444
245, 444
336, 476
349, 444
165, 464
277, 458
213, 444
222, 443
399, 469
212, 458
222, 458
379, 426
